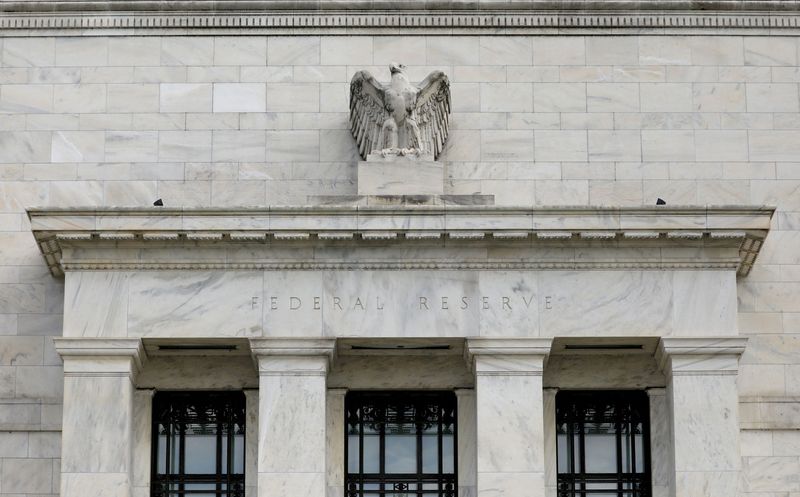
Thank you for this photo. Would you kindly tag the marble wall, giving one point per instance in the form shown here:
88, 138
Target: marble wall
538, 120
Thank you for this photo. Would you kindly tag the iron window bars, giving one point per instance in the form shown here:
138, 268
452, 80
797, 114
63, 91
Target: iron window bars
603, 444
400, 444
198, 444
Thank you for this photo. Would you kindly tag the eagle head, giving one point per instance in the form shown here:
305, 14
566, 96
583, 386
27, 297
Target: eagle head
394, 67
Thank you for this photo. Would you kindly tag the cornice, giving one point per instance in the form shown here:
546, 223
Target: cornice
143, 17
375, 228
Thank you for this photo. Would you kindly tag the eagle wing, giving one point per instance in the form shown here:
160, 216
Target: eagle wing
367, 111
433, 112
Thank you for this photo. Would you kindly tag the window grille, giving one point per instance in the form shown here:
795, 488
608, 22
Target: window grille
603, 444
400, 444
198, 444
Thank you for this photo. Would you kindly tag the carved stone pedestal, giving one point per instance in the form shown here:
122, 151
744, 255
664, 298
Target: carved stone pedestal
400, 175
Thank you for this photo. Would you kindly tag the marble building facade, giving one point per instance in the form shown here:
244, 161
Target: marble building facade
539, 264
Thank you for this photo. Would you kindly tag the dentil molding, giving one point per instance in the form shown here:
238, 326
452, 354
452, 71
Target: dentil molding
143, 17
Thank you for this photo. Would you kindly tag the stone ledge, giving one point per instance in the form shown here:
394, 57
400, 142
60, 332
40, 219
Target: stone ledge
730, 236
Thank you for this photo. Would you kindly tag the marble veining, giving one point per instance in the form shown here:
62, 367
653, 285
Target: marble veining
195, 304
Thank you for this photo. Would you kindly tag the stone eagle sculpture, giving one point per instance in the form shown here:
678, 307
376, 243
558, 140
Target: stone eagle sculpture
399, 118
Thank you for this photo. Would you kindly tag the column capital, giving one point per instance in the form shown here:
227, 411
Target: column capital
507, 356
293, 356
101, 356
700, 355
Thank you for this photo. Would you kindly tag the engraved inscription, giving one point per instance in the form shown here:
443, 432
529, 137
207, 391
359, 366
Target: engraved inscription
423, 303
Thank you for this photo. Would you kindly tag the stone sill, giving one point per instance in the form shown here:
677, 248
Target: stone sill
609, 231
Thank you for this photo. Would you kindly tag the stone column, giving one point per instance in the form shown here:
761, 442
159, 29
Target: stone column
143, 433
703, 402
550, 442
660, 442
97, 434
291, 415
251, 443
335, 442
510, 415
467, 454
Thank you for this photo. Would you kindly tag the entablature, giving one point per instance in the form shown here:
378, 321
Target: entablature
424, 237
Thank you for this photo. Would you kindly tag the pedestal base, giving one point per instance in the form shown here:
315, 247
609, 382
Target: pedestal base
400, 175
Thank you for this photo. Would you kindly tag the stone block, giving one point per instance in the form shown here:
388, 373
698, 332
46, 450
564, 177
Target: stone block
621, 192
717, 51
618, 145
131, 146
185, 97
612, 50
293, 50
78, 51
239, 146
26, 99
133, 98
295, 146
612, 97
294, 97
226, 193
321, 74
80, 98
776, 97
450, 50
664, 50
504, 145
560, 146
184, 146
77, 146
388, 49
668, 145
559, 97
400, 176
27, 476
28, 52
240, 97
45, 444
666, 97
134, 51
718, 97
14, 444
770, 51
559, 51
774, 145
506, 97
562, 192
506, 50
21, 351
345, 50
187, 51
240, 50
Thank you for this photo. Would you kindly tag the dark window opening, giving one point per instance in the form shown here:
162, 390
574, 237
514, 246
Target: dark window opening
198, 444
603, 444
400, 444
